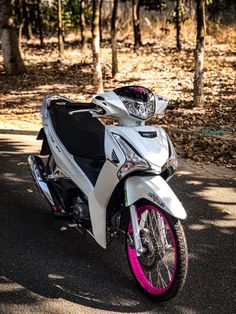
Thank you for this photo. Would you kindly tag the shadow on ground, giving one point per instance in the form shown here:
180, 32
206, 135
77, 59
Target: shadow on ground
48, 263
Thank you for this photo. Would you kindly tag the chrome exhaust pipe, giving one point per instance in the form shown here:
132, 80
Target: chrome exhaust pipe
39, 181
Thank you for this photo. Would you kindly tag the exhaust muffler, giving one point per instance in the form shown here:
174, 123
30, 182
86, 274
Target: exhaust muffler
34, 163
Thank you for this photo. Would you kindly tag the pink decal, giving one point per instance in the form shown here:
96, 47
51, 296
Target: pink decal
139, 89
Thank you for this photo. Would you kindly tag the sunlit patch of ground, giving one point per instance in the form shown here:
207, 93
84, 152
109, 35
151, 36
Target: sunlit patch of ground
205, 134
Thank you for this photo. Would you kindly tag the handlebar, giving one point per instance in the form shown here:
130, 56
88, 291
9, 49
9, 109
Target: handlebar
97, 110
77, 106
70, 104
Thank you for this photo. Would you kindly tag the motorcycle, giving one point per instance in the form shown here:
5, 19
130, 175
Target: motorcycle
111, 179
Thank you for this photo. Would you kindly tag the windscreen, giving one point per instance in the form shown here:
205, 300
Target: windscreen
136, 93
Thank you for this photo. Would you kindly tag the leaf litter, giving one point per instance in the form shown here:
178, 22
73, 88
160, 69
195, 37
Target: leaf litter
205, 135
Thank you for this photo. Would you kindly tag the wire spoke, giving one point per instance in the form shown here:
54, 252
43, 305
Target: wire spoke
150, 276
164, 284
143, 219
160, 280
153, 232
167, 268
162, 270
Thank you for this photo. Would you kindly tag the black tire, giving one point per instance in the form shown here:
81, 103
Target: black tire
178, 250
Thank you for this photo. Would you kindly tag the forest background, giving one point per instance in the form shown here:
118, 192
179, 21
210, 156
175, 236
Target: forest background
184, 50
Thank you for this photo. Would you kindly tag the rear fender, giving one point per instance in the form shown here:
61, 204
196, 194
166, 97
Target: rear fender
156, 190
45, 149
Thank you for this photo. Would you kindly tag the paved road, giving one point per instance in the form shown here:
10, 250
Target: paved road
45, 268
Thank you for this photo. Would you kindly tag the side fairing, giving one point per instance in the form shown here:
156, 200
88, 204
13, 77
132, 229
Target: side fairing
151, 143
107, 180
155, 150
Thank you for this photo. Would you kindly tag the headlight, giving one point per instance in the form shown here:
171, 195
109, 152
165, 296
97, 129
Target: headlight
140, 109
133, 160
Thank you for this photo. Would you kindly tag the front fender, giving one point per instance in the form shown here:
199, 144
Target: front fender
156, 190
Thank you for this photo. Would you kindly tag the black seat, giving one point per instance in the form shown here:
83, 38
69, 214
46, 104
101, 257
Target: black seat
81, 134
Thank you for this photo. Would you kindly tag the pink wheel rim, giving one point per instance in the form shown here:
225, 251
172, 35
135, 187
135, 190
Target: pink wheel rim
135, 263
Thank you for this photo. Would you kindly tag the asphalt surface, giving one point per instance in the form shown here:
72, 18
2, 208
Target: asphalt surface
46, 268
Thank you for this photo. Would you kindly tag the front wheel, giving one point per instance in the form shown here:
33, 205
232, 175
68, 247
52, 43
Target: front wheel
161, 270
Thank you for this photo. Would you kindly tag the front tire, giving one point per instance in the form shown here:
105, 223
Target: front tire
161, 271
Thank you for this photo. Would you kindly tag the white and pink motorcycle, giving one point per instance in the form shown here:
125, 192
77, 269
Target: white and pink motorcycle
112, 179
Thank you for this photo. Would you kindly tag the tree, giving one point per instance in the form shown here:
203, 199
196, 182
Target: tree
39, 23
18, 15
199, 54
60, 27
26, 18
100, 20
13, 62
98, 83
82, 24
113, 39
178, 24
136, 23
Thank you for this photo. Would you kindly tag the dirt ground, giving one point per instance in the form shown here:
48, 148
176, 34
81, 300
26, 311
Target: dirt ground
202, 134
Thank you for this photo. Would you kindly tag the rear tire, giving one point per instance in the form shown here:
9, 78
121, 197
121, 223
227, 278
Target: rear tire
160, 272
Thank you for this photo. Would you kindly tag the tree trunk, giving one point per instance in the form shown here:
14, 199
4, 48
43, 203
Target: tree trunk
32, 17
39, 23
199, 54
60, 27
136, 23
17, 9
26, 18
191, 4
20, 29
13, 62
98, 83
113, 39
100, 20
30, 33
178, 25
82, 24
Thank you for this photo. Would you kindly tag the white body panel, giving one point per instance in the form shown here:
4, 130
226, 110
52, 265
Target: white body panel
154, 150
107, 181
156, 190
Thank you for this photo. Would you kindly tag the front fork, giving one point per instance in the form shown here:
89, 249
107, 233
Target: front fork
137, 228
136, 231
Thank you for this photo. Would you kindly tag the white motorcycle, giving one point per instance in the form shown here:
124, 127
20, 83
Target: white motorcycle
112, 179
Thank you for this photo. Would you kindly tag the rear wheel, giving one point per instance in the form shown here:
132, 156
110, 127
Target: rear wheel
160, 272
